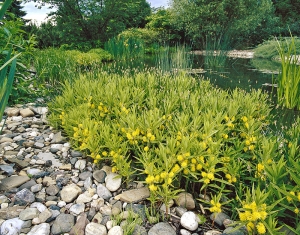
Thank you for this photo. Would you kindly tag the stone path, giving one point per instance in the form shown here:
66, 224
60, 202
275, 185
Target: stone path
48, 188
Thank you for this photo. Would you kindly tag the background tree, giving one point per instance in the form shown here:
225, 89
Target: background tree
94, 21
230, 20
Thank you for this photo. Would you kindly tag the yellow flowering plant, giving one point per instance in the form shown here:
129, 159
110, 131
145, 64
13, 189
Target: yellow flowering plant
179, 132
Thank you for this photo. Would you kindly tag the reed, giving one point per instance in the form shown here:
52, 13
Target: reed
288, 91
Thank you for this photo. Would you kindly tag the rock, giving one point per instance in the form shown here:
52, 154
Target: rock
10, 212
134, 195
33, 171
180, 211
57, 138
77, 209
84, 198
80, 225
3, 199
70, 192
66, 167
28, 184
113, 182
184, 232
44, 216
26, 113
41, 207
212, 232
185, 200
232, 231
49, 156
24, 197
84, 175
36, 188
11, 226
162, 228
28, 213
88, 183
62, 224
189, 221
41, 229
103, 192
93, 228
52, 190
12, 112
13, 182
80, 164
6, 139
219, 218
19, 163
116, 230
139, 230
76, 153
99, 175
38, 145
98, 218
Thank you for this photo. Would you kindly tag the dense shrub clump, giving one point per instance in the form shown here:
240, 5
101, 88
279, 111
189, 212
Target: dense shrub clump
178, 132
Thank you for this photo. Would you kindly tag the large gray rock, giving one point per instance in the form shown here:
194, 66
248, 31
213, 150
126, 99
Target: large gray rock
13, 182
24, 197
63, 224
162, 228
103, 192
41, 229
29, 213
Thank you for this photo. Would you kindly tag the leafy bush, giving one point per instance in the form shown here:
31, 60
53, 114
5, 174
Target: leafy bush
268, 49
180, 132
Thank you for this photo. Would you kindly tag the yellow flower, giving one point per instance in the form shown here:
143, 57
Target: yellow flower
96, 161
180, 158
225, 136
260, 167
263, 215
210, 176
199, 167
246, 125
244, 119
184, 164
242, 216
296, 211
194, 161
163, 175
206, 181
186, 171
146, 149
247, 142
152, 187
261, 229
114, 169
251, 147
104, 153
250, 226
150, 179
290, 198
176, 168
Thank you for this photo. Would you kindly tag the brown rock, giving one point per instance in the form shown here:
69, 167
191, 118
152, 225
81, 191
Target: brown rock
185, 200
12, 112
80, 225
11, 212
13, 182
134, 195
26, 112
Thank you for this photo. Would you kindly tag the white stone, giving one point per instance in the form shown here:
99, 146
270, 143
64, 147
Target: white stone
61, 204
116, 230
184, 232
80, 164
36, 221
41, 207
41, 229
94, 228
113, 182
77, 209
84, 198
11, 226
4, 205
17, 118
109, 224
57, 146
33, 171
189, 221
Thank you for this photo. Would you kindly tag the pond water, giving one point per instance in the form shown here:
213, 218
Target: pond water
227, 73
